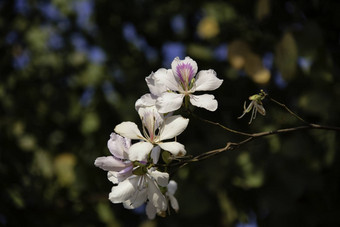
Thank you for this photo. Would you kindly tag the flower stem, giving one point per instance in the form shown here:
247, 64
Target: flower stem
291, 112
222, 126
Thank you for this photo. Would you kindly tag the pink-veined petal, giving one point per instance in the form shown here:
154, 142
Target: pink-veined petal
167, 79
187, 60
109, 163
169, 102
204, 101
174, 148
206, 80
172, 126
124, 190
161, 178
128, 129
140, 151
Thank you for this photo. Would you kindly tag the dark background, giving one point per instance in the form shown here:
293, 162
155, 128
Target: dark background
71, 70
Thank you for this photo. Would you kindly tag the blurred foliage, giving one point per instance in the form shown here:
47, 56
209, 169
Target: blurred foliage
71, 70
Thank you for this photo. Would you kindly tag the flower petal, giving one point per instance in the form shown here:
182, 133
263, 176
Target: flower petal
174, 148
155, 152
205, 101
187, 60
155, 86
155, 196
173, 202
206, 80
118, 146
109, 163
140, 151
167, 78
172, 126
124, 190
128, 129
151, 118
150, 210
146, 101
137, 199
172, 187
116, 177
161, 178
169, 102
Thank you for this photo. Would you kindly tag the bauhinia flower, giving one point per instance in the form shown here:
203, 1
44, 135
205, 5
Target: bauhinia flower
156, 130
117, 164
256, 105
137, 189
182, 81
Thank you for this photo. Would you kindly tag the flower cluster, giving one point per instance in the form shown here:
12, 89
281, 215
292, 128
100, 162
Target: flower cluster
133, 168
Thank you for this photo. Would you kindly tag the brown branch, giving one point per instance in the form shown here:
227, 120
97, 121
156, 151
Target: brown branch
233, 145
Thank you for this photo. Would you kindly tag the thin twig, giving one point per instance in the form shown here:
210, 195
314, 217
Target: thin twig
291, 112
222, 126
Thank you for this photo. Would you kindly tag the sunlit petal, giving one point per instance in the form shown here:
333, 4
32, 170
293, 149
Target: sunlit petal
169, 102
174, 148
140, 151
173, 126
145, 101
155, 86
128, 129
206, 80
167, 78
205, 101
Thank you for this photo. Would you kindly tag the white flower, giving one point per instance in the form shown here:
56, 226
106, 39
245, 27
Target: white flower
118, 164
182, 80
156, 130
137, 189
